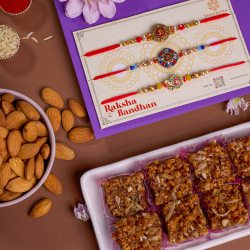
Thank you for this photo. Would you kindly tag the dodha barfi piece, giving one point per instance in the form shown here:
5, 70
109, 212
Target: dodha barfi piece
141, 231
184, 220
225, 208
212, 167
125, 195
246, 190
169, 180
239, 151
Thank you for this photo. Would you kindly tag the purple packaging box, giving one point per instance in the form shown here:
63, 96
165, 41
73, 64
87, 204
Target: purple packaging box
127, 9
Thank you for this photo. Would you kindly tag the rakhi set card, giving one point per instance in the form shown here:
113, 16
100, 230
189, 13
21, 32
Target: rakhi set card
141, 68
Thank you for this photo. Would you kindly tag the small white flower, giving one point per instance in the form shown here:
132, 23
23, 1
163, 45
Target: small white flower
81, 212
235, 105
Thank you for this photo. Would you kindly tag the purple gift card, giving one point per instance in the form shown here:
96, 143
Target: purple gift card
135, 18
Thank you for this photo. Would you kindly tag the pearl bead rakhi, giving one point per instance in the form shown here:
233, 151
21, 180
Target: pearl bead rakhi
172, 83
167, 58
159, 33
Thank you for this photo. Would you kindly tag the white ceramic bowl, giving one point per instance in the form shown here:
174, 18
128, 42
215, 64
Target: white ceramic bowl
52, 143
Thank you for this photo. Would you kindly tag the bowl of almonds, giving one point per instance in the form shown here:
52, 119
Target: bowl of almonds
27, 147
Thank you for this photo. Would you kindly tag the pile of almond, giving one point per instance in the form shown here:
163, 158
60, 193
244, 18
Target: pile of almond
59, 116
24, 147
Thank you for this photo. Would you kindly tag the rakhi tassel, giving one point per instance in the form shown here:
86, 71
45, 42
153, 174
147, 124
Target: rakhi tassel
109, 74
102, 50
214, 18
119, 97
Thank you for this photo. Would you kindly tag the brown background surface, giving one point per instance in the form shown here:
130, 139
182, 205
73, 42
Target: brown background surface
49, 64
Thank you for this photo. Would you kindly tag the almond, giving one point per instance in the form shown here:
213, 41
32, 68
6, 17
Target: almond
39, 166
17, 166
67, 120
42, 130
5, 172
40, 208
45, 151
15, 120
14, 141
28, 110
81, 134
3, 149
63, 152
53, 184
2, 118
76, 108
51, 97
28, 150
40, 141
54, 116
30, 132
7, 107
9, 196
3, 132
20, 185
12, 175
8, 97
30, 169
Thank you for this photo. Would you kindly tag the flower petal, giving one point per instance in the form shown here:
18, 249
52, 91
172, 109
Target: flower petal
62, 0
118, 1
73, 8
107, 8
90, 12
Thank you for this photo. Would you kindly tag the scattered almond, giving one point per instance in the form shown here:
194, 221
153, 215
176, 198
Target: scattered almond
28, 110
15, 120
3, 132
30, 132
81, 134
30, 169
9, 196
14, 141
20, 185
76, 108
63, 152
40, 208
51, 97
53, 184
28, 150
7, 107
17, 166
42, 130
8, 97
67, 120
39, 166
45, 151
54, 116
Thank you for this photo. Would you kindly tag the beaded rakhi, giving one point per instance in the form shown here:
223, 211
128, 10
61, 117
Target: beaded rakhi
173, 82
159, 33
167, 58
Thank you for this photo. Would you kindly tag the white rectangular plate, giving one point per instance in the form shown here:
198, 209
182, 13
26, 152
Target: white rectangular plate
94, 198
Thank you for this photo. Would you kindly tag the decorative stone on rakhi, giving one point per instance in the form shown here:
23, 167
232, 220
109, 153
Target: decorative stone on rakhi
81, 212
235, 105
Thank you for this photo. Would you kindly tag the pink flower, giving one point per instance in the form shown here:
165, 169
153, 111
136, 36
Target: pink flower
90, 9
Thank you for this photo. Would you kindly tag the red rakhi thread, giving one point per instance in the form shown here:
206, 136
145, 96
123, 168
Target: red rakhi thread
174, 82
171, 55
159, 33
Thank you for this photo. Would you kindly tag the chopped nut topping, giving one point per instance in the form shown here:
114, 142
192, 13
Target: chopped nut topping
185, 220
142, 231
169, 180
212, 167
225, 207
126, 195
239, 151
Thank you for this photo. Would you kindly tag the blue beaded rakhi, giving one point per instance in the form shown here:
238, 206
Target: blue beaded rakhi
167, 58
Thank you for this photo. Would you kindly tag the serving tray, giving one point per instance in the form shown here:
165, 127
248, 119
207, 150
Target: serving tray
92, 192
